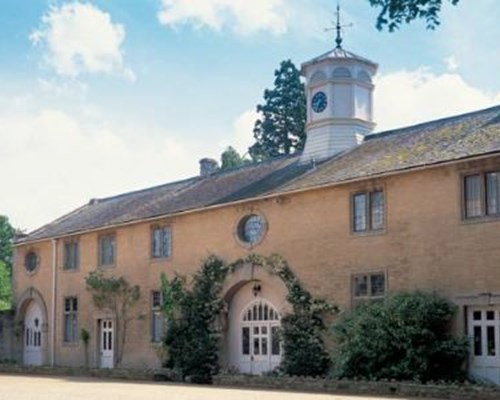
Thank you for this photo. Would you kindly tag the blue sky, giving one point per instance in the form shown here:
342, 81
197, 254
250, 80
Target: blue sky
100, 97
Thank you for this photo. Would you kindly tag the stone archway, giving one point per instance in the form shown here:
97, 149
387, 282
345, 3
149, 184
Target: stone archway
246, 287
32, 334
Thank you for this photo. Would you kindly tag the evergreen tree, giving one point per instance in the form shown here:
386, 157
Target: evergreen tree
5, 287
6, 236
230, 159
281, 128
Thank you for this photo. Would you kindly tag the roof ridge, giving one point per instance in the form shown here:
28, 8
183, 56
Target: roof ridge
58, 220
404, 129
258, 163
138, 191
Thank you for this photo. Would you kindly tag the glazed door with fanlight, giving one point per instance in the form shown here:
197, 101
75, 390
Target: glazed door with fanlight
259, 340
107, 344
33, 321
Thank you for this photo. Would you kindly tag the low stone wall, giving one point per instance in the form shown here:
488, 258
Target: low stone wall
441, 391
116, 373
399, 389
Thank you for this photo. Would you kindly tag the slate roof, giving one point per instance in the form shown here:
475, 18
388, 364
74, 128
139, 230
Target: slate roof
427, 144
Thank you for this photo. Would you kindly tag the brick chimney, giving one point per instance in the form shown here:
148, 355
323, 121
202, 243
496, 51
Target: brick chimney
208, 166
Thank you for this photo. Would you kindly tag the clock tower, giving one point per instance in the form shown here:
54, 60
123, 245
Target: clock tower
339, 92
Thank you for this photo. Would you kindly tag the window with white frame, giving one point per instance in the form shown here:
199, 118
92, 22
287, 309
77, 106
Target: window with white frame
70, 320
161, 242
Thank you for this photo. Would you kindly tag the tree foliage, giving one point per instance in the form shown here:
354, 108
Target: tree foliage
118, 296
405, 337
281, 126
6, 236
393, 13
5, 287
192, 339
230, 159
7, 233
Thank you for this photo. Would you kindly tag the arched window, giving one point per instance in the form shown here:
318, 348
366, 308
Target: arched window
260, 337
363, 76
318, 76
260, 310
342, 72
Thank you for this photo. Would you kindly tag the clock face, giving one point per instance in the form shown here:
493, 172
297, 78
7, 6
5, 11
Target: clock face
319, 102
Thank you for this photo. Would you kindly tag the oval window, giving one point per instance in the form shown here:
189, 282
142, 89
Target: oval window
31, 261
251, 229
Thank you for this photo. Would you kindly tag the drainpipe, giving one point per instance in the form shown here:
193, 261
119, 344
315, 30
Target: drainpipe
53, 311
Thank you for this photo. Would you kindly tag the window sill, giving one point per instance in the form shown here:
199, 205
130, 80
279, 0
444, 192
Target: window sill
156, 260
74, 344
480, 220
70, 270
369, 233
107, 266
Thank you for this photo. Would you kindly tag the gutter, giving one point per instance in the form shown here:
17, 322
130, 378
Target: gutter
53, 305
267, 197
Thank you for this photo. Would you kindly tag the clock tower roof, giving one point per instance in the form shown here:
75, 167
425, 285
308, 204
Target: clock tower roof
339, 54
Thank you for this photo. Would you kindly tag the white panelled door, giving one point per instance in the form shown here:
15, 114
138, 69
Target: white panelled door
107, 343
260, 347
33, 322
484, 331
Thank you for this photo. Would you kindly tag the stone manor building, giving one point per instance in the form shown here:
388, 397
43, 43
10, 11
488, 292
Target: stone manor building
357, 215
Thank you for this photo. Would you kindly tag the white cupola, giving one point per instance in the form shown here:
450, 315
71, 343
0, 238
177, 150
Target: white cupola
339, 93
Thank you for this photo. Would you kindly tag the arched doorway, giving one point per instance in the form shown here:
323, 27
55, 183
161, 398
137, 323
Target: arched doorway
33, 335
260, 347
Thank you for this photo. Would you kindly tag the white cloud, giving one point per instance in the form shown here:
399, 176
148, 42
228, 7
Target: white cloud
243, 126
242, 16
451, 64
80, 38
407, 97
470, 33
55, 161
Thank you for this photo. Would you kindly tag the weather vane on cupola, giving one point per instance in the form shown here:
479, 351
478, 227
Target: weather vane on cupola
338, 28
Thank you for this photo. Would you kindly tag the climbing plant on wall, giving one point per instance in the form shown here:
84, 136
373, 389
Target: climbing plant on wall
302, 330
118, 296
192, 339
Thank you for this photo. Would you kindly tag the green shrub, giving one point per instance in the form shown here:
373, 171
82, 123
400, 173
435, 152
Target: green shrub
405, 337
304, 350
192, 339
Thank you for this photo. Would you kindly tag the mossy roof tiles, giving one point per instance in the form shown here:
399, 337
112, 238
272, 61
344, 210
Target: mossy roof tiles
431, 143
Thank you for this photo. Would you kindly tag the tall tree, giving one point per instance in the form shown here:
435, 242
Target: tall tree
5, 287
393, 13
230, 159
6, 236
281, 127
